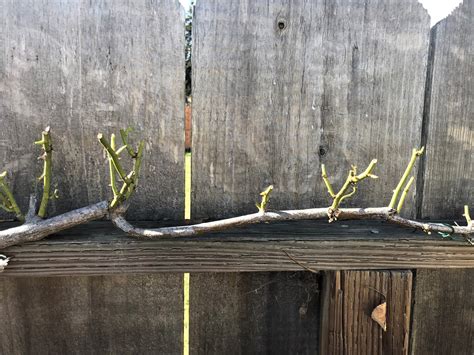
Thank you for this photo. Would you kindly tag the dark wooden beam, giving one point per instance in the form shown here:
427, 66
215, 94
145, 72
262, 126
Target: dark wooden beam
98, 248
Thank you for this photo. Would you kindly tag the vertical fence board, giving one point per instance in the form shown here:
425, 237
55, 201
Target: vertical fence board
139, 314
83, 68
259, 313
449, 125
281, 87
443, 313
88, 67
443, 320
349, 298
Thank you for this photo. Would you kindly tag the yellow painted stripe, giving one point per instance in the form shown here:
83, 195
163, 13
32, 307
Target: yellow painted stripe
187, 186
187, 215
186, 315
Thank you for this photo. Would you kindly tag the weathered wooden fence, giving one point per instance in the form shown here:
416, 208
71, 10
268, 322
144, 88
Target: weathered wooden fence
278, 88
85, 68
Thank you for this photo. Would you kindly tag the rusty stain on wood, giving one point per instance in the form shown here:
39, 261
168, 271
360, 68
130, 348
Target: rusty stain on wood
187, 126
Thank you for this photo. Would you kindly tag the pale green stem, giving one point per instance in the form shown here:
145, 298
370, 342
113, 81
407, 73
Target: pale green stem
115, 159
467, 215
404, 194
351, 180
415, 154
124, 135
121, 149
327, 182
354, 189
113, 183
131, 181
136, 168
265, 198
46, 176
6, 209
339, 196
3, 198
5, 204
126, 187
13, 206
367, 172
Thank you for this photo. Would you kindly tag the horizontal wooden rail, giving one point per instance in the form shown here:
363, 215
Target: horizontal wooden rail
97, 248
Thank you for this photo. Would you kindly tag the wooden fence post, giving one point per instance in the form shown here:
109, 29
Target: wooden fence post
349, 297
443, 317
443, 314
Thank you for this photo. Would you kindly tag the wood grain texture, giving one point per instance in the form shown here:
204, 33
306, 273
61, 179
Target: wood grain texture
88, 67
258, 313
349, 298
139, 314
449, 131
443, 313
443, 317
96, 249
339, 83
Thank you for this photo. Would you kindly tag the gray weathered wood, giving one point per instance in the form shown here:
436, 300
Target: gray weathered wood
138, 314
98, 249
443, 319
88, 67
443, 313
448, 121
348, 300
258, 313
340, 83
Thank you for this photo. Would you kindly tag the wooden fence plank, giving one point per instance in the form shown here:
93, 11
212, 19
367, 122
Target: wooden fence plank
258, 313
99, 249
443, 320
281, 87
449, 125
443, 313
83, 68
349, 298
88, 67
139, 314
